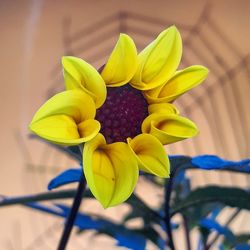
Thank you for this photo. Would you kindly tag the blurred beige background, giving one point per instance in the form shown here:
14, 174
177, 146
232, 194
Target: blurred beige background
36, 34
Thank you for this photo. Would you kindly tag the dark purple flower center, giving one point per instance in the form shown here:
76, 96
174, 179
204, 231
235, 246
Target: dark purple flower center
122, 113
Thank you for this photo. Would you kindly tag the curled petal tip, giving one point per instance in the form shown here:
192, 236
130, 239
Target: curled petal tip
206, 70
173, 27
122, 63
182, 81
169, 128
123, 35
159, 60
65, 59
80, 74
150, 154
58, 118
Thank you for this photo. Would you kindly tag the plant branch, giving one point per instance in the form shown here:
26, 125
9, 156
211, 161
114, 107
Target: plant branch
167, 219
72, 215
168, 191
54, 195
186, 229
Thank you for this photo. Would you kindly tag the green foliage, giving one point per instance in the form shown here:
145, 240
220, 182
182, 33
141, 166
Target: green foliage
233, 197
195, 205
240, 239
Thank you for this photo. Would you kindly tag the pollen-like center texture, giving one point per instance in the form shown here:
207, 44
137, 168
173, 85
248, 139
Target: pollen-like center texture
122, 113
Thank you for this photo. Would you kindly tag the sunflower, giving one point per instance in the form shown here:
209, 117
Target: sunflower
123, 113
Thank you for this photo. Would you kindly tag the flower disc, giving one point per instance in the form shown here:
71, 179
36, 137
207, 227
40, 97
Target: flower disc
122, 113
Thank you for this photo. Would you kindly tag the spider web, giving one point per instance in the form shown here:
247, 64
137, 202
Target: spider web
219, 106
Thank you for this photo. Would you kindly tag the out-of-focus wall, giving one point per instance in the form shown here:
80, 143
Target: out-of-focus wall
35, 35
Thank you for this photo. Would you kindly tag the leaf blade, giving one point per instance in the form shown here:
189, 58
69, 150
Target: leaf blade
234, 197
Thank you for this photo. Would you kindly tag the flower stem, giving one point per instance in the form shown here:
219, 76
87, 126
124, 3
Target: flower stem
168, 190
186, 230
72, 215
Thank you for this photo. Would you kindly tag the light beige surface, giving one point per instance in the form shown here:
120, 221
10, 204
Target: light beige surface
32, 43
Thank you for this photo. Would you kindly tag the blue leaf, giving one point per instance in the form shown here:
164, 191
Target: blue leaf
221, 247
66, 177
180, 177
128, 239
242, 247
211, 162
200, 243
215, 212
125, 237
51, 210
161, 243
83, 221
214, 225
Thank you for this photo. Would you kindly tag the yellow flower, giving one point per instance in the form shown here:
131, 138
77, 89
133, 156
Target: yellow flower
122, 113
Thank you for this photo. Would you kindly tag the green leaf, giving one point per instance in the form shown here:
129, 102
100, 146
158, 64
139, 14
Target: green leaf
55, 195
138, 206
141, 210
151, 234
196, 213
233, 197
240, 239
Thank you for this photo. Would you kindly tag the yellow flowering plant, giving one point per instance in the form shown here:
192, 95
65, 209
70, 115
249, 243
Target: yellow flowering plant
123, 114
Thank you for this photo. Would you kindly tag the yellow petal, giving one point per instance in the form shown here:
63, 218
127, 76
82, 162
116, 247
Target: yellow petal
55, 126
88, 129
73, 103
121, 64
63, 119
179, 84
150, 154
165, 108
169, 128
80, 74
59, 129
111, 170
159, 60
